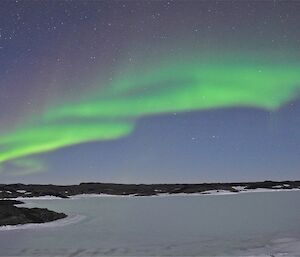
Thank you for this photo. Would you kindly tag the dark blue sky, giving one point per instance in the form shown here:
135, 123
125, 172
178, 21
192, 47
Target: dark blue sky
56, 51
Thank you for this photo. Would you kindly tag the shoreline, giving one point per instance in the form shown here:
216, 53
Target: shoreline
177, 194
55, 223
80, 196
10, 214
13, 191
11, 194
66, 220
282, 245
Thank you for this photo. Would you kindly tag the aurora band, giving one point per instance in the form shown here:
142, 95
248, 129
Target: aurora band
112, 111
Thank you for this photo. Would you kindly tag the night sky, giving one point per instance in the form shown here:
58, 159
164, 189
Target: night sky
149, 91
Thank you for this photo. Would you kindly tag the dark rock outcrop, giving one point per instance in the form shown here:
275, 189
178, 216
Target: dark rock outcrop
21, 190
12, 215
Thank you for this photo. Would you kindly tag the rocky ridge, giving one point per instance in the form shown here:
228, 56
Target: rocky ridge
8, 191
12, 215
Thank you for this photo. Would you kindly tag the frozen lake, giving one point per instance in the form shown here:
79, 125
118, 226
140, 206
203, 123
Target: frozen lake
250, 224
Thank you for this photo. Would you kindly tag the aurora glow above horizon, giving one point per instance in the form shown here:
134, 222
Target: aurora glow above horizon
174, 88
95, 94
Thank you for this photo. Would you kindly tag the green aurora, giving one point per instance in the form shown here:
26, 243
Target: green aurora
112, 111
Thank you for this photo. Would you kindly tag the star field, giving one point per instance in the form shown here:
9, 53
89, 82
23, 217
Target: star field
149, 91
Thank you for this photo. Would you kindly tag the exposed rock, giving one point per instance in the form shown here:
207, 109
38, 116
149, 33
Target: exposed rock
9, 202
21, 190
12, 215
